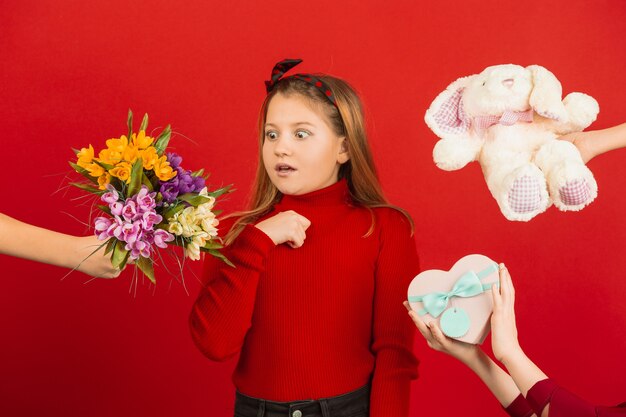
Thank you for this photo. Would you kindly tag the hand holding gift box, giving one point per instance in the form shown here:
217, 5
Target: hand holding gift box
459, 299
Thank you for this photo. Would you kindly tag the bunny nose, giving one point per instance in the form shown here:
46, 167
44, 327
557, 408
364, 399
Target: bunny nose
508, 82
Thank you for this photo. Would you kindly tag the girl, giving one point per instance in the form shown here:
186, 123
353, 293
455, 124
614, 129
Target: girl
525, 390
322, 265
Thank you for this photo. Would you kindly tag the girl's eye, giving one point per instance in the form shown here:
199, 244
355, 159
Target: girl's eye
271, 135
301, 134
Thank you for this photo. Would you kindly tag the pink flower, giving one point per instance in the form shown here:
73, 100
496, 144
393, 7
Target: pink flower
116, 208
150, 218
161, 237
101, 226
112, 196
130, 210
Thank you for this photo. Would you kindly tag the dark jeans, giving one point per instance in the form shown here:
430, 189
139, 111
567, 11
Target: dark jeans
352, 404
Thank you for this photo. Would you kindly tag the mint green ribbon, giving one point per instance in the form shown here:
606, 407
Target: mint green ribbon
468, 285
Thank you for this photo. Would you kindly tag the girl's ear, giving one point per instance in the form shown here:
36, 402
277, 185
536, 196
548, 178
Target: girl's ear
343, 156
445, 116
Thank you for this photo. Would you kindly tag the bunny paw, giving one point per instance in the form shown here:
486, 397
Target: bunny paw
525, 194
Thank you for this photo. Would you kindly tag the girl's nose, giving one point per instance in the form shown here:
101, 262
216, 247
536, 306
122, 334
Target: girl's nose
282, 147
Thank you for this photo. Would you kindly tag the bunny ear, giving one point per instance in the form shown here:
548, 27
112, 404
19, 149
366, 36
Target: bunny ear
545, 97
445, 116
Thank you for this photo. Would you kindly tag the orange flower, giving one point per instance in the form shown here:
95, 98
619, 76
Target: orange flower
163, 170
122, 171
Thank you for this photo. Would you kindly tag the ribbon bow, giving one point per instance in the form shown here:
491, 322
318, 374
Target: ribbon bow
468, 285
279, 70
507, 118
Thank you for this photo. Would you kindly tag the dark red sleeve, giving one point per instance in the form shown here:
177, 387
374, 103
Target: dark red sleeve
222, 313
562, 402
519, 407
392, 343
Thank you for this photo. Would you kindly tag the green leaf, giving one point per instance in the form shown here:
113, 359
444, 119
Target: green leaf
76, 151
82, 171
163, 140
120, 255
172, 210
221, 191
213, 244
198, 173
219, 255
110, 245
104, 208
130, 123
136, 176
87, 187
147, 267
144, 122
145, 181
108, 167
194, 199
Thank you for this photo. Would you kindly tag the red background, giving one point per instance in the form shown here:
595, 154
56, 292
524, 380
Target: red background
69, 70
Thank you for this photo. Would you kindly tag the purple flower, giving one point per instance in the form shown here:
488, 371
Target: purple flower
169, 190
174, 159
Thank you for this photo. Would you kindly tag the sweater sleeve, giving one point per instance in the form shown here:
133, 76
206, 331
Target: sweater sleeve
519, 408
222, 313
562, 403
393, 333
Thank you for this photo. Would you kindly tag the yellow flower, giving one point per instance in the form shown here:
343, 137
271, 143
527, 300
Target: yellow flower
103, 181
163, 170
85, 157
117, 145
142, 141
110, 157
122, 171
149, 157
94, 169
115, 150
130, 154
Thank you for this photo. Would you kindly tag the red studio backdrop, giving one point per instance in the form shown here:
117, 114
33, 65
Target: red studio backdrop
69, 71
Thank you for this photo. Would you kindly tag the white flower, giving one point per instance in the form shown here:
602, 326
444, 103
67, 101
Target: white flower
192, 250
175, 228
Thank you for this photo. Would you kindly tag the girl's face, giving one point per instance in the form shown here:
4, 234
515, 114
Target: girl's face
301, 152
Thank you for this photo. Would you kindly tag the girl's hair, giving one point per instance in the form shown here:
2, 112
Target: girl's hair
346, 119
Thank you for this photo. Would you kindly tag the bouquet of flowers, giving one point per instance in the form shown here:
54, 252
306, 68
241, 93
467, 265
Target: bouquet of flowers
150, 200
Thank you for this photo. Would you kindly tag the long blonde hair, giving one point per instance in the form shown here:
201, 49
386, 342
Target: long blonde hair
345, 120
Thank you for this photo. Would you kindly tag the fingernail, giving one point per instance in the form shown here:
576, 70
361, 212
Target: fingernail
502, 266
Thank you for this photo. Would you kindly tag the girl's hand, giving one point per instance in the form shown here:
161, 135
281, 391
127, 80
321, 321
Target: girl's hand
465, 352
97, 265
503, 329
286, 227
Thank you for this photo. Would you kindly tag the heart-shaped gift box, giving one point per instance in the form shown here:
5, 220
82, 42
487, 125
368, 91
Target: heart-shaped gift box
459, 299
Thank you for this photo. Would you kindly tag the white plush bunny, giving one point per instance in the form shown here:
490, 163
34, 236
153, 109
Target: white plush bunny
508, 118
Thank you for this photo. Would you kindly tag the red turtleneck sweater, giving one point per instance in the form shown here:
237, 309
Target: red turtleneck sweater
320, 320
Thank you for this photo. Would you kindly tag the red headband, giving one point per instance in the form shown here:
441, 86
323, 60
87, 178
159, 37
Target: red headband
285, 65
